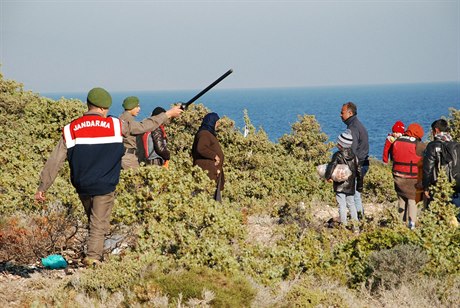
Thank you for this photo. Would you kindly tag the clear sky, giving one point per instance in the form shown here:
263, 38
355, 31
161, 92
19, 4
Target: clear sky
59, 46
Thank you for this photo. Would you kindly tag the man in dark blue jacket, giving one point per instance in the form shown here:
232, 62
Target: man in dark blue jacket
93, 145
360, 145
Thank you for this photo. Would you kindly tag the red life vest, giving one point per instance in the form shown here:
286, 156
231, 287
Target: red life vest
404, 157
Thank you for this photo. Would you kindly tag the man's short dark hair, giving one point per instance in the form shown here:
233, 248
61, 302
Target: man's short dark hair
440, 124
352, 107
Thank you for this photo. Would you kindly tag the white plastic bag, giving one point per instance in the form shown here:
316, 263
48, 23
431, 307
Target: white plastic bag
340, 174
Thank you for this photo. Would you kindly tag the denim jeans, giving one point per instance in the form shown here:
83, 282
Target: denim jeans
358, 201
346, 201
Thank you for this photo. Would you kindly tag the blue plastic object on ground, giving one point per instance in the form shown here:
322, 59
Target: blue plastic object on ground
54, 262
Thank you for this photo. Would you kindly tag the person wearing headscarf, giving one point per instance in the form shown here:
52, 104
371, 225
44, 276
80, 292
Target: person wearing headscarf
207, 152
406, 152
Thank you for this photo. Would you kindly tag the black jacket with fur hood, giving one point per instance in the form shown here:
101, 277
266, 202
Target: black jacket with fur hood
346, 156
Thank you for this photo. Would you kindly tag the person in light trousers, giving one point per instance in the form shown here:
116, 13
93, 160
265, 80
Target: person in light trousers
345, 190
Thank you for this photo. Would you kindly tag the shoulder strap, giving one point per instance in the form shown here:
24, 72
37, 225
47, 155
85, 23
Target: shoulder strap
145, 143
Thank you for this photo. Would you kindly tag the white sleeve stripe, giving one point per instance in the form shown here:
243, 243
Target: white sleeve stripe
99, 140
69, 142
116, 126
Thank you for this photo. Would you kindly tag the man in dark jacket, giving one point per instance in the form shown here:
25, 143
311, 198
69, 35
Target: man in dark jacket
360, 145
436, 157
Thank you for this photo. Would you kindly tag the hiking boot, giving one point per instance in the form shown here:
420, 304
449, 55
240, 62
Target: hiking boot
411, 225
90, 262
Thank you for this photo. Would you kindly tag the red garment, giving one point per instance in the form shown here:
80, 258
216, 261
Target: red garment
415, 130
386, 148
398, 127
405, 157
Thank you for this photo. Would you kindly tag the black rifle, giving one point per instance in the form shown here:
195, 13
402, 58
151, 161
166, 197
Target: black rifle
184, 106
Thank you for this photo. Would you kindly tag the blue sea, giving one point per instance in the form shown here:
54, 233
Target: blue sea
276, 109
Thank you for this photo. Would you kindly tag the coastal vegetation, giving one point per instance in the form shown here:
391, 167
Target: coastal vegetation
272, 242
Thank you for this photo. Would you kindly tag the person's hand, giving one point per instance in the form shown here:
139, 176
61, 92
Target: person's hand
166, 164
217, 160
174, 112
427, 194
330, 180
40, 196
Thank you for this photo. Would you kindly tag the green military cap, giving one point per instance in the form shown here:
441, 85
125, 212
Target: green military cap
99, 97
130, 102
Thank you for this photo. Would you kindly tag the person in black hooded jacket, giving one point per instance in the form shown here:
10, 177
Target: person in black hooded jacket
345, 191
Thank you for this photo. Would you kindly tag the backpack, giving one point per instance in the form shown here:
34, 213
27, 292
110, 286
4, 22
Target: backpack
451, 153
145, 147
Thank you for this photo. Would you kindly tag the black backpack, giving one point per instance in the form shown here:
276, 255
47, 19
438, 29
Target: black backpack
451, 153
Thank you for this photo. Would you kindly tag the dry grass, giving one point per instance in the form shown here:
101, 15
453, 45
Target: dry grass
37, 286
425, 292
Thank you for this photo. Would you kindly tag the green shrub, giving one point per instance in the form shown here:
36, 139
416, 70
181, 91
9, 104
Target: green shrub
233, 291
454, 123
355, 253
392, 267
114, 275
297, 250
178, 215
378, 183
307, 142
31, 127
312, 291
439, 234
